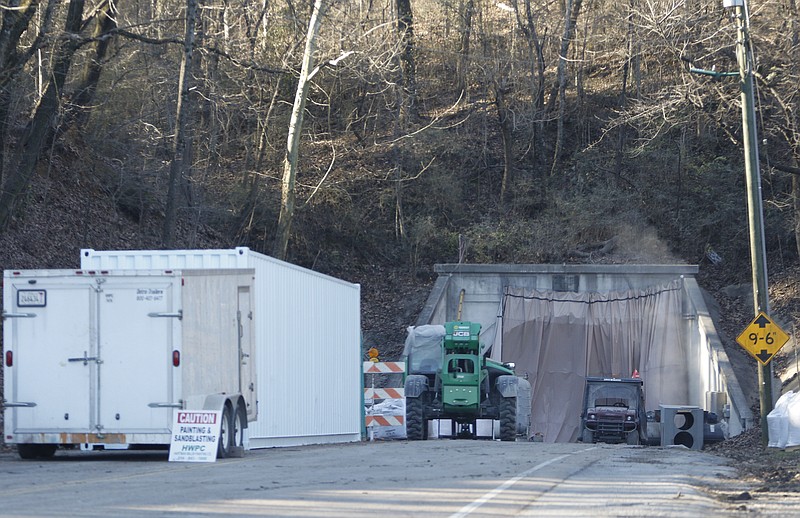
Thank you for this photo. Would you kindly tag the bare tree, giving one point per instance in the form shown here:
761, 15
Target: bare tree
180, 146
529, 27
104, 21
573, 9
465, 18
41, 127
504, 115
13, 55
288, 194
405, 26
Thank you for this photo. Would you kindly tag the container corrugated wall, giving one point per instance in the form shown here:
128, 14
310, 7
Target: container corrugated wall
312, 372
308, 333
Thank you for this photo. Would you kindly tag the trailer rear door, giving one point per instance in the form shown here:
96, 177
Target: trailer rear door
138, 326
92, 354
52, 342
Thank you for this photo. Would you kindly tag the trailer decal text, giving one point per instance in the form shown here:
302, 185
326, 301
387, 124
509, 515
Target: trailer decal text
149, 294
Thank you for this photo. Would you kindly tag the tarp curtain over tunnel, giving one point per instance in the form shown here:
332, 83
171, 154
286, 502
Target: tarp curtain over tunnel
559, 338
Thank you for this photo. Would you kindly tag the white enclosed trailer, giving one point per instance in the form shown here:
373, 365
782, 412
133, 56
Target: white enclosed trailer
104, 359
308, 340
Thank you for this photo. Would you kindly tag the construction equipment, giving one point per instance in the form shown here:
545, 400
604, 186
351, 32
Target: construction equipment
614, 411
449, 377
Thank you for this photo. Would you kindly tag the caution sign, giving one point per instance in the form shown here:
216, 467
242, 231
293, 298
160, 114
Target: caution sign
762, 338
195, 435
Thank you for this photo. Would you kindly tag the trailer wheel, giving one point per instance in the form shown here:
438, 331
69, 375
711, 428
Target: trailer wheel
416, 426
36, 451
508, 419
225, 439
237, 433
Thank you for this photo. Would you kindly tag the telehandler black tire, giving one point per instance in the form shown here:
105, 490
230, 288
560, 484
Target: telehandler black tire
416, 426
508, 419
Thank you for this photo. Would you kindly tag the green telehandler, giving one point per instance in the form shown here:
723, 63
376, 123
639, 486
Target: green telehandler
449, 377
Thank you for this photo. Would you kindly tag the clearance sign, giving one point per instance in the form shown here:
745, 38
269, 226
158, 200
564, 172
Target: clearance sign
762, 338
195, 435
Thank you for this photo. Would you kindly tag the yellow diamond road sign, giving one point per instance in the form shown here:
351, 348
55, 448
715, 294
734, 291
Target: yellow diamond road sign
762, 338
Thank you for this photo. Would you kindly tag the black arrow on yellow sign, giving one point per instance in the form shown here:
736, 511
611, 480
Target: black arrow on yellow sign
762, 322
764, 356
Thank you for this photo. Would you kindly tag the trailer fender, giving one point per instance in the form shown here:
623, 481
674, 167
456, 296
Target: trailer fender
234, 401
507, 385
416, 385
217, 402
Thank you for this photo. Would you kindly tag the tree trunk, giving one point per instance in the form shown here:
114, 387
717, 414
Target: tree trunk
41, 127
286, 215
405, 26
573, 10
623, 97
178, 165
15, 23
504, 118
105, 21
528, 26
463, 55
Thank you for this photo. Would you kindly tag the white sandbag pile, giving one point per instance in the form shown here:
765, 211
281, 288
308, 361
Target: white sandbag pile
783, 423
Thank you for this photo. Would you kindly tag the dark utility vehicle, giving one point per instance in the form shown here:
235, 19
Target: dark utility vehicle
613, 411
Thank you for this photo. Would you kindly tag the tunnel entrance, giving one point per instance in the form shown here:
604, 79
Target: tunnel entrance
562, 323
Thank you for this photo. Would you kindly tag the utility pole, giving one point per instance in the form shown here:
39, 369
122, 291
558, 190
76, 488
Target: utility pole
755, 210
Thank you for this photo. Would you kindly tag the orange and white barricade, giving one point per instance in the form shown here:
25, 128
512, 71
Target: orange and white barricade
385, 406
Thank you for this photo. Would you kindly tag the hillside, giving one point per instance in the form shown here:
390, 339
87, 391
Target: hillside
61, 217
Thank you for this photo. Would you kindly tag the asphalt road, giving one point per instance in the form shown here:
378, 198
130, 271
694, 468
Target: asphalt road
450, 478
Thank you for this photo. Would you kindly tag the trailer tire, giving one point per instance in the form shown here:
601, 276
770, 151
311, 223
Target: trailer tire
225, 434
237, 432
416, 426
508, 419
36, 451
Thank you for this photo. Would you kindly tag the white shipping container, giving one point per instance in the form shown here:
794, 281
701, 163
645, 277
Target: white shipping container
106, 358
308, 342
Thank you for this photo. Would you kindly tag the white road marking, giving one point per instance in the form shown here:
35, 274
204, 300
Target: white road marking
469, 508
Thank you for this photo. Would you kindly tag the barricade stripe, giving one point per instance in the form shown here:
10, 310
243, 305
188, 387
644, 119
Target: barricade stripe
385, 420
384, 367
385, 393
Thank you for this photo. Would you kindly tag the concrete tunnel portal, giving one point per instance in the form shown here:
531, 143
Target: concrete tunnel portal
562, 323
